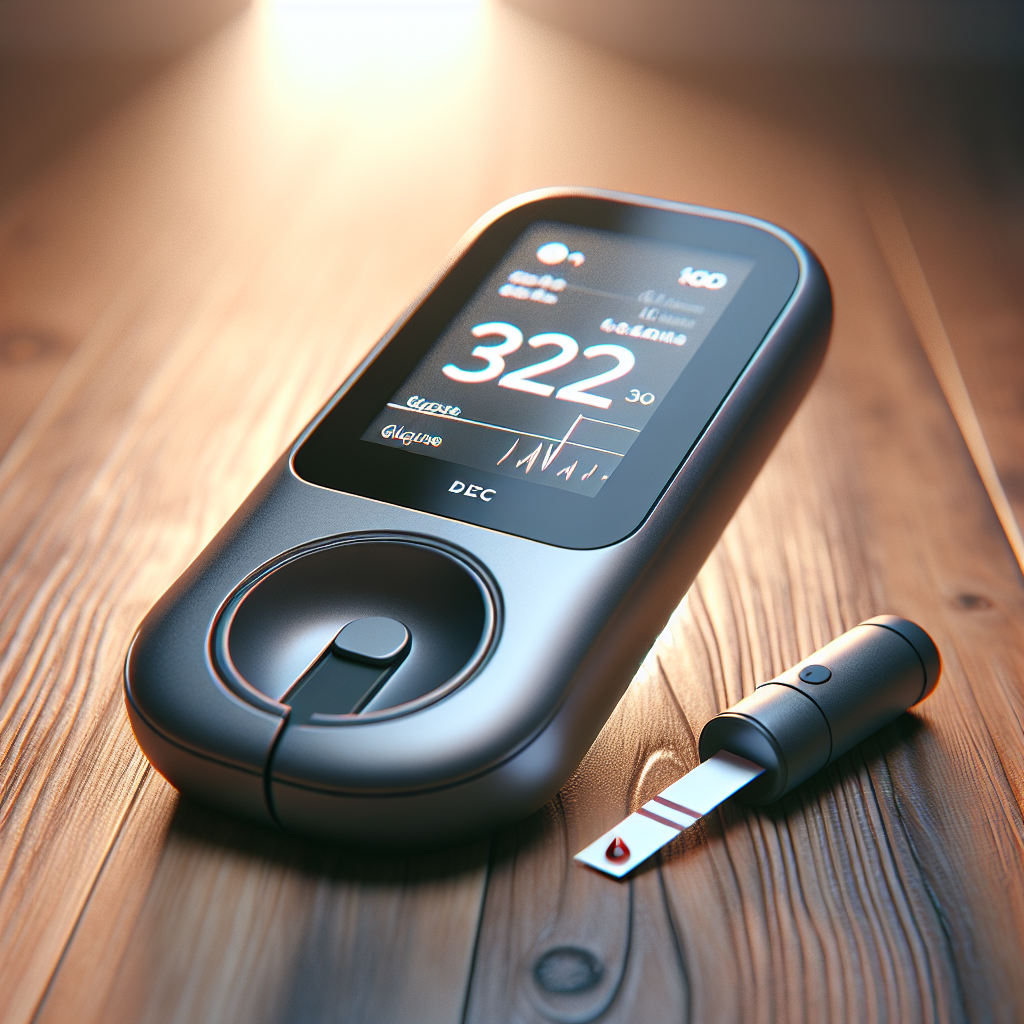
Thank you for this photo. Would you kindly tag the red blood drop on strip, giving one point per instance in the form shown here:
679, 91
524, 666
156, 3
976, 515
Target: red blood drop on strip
618, 850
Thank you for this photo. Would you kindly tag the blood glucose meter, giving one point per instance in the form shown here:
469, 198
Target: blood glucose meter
415, 626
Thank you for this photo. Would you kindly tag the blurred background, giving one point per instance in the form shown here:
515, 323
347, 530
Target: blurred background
297, 134
64, 62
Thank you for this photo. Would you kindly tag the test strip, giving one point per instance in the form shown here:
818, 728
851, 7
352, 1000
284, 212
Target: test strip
662, 818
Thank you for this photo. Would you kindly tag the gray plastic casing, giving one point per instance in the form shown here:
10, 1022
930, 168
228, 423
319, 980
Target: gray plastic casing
571, 627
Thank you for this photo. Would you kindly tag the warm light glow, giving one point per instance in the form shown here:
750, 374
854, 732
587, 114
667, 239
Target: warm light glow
324, 43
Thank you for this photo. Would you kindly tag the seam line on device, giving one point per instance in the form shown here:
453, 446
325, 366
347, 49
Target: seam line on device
924, 667
821, 711
268, 789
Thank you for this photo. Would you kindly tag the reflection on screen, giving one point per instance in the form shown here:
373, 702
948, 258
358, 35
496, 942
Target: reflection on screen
558, 361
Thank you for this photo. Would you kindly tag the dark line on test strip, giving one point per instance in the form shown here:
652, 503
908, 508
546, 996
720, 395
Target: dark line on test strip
661, 821
678, 807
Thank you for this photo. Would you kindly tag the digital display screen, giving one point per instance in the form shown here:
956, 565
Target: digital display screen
556, 364
557, 375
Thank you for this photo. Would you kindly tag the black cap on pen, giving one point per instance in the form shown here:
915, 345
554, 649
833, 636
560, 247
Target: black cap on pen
931, 661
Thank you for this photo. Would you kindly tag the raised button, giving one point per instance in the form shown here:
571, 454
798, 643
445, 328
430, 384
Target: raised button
815, 674
374, 640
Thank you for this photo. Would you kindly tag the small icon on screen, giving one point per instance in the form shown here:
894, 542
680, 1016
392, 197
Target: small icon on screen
553, 253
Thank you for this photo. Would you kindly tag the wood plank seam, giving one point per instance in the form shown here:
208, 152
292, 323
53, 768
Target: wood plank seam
115, 836
673, 930
488, 876
892, 800
897, 248
910, 923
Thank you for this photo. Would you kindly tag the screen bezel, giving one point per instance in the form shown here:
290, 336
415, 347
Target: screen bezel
334, 456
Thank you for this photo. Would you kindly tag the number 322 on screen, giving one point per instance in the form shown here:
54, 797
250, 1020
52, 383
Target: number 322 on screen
524, 379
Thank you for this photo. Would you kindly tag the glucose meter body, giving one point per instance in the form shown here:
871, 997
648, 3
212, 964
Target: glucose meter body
415, 626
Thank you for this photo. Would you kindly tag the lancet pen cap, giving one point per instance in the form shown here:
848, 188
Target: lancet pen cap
920, 641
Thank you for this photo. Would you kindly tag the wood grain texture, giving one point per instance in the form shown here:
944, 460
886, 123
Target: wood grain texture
242, 926
212, 260
964, 240
905, 267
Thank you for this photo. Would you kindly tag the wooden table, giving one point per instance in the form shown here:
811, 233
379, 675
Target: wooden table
182, 289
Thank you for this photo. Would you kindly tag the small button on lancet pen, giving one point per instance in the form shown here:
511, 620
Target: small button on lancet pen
784, 732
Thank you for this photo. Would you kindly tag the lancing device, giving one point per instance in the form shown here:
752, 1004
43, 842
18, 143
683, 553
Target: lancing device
785, 731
